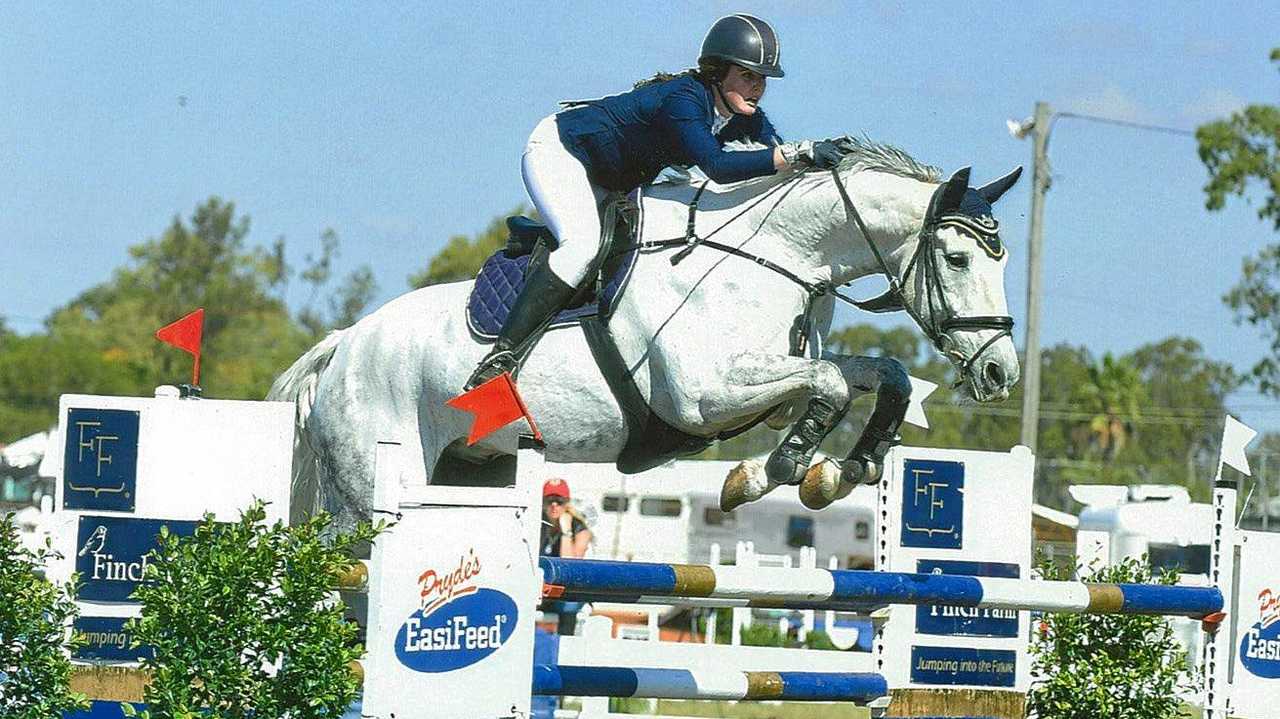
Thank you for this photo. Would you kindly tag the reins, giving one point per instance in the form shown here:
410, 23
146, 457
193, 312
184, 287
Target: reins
935, 329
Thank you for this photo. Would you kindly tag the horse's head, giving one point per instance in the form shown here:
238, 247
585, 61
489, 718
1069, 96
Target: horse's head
953, 285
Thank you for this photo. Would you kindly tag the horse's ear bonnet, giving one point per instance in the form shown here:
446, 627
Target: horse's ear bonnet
995, 189
947, 198
969, 209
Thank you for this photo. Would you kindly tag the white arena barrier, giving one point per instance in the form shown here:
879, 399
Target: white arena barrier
453, 587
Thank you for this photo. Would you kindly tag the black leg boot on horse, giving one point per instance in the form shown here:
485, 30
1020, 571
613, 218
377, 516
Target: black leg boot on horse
543, 296
790, 461
865, 462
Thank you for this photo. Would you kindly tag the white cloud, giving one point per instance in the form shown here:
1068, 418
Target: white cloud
1213, 104
1110, 101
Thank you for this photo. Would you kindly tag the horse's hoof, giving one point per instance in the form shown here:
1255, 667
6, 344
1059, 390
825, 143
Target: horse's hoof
745, 483
855, 472
821, 486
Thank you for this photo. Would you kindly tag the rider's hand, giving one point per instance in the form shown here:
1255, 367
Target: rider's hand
566, 524
826, 155
822, 154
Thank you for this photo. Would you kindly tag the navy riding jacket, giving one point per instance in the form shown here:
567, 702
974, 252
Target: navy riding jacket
625, 140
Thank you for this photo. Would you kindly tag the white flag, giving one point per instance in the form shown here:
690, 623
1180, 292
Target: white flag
920, 389
1235, 436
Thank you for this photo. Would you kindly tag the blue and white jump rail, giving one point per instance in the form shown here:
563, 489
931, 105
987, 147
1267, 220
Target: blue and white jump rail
649, 583
710, 683
453, 587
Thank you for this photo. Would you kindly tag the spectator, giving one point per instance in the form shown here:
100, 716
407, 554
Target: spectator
564, 531
564, 534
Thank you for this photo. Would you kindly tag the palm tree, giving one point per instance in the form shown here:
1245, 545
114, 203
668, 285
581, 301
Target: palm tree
1111, 398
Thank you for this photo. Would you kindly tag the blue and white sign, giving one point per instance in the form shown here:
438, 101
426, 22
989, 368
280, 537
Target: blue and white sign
100, 459
111, 553
1260, 645
932, 504
963, 666
457, 634
967, 621
105, 638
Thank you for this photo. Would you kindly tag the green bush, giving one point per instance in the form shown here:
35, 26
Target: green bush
818, 639
763, 634
35, 635
1107, 666
245, 622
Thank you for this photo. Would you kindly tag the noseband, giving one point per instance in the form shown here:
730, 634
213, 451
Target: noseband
942, 318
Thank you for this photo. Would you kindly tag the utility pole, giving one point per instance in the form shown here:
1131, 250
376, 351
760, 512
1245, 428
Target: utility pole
1040, 126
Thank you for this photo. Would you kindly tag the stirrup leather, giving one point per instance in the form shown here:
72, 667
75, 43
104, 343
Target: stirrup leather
494, 364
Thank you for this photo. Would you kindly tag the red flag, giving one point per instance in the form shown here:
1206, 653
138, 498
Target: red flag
495, 404
185, 335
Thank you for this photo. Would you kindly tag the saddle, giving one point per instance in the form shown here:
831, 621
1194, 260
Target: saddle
501, 278
650, 440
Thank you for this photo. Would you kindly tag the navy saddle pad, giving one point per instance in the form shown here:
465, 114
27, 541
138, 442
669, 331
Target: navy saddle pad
502, 277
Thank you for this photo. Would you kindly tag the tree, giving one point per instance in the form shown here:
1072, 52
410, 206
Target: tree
102, 340
34, 633
1241, 152
351, 297
1107, 666
462, 257
1112, 398
243, 622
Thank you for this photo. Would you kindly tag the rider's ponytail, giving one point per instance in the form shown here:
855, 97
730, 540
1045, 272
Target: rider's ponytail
708, 72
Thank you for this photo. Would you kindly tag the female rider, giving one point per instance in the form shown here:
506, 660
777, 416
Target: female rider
621, 142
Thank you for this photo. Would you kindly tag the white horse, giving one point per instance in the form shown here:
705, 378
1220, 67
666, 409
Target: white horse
707, 340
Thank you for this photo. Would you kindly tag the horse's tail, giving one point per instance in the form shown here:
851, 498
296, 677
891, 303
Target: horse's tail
298, 385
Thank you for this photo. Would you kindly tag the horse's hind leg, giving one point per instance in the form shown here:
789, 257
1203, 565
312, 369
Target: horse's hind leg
753, 382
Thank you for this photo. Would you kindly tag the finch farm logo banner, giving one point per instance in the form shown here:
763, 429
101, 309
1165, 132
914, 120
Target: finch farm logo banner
1260, 646
458, 623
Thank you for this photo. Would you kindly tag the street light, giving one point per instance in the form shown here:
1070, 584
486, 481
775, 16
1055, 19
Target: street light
1038, 126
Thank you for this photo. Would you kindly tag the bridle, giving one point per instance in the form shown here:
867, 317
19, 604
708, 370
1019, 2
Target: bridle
942, 318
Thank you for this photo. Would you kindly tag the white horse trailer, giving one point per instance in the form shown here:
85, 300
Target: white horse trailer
1159, 521
672, 514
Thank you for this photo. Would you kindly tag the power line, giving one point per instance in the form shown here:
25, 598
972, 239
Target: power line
1129, 124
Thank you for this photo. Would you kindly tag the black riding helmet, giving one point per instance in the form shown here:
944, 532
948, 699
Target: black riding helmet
744, 40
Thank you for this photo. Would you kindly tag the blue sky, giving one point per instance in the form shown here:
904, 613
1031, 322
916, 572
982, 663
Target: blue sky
401, 126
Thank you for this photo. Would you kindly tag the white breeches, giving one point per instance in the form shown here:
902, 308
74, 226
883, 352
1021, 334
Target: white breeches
569, 203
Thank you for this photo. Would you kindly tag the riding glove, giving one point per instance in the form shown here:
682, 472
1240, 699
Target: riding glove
822, 154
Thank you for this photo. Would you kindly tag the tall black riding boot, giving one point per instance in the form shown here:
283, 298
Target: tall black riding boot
543, 296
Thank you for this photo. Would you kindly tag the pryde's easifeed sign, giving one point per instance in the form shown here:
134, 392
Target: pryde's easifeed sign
100, 459
933, 504
458, 622
1260, 647
111, 553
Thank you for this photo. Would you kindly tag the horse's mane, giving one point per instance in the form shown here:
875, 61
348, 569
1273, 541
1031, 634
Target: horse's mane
861, 153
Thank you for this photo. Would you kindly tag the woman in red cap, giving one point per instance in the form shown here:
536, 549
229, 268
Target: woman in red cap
564, 533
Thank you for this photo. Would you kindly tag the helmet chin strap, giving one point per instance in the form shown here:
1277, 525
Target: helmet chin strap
720, 94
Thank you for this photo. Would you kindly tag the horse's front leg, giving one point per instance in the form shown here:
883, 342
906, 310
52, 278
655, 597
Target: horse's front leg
864, 464
754, 382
